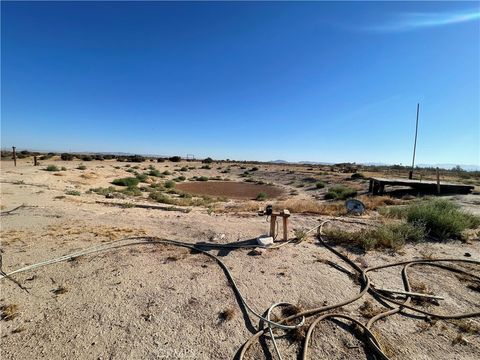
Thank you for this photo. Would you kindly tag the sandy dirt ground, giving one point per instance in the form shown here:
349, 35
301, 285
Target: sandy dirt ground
162, 302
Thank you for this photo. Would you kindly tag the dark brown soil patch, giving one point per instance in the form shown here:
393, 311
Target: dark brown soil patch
230, 189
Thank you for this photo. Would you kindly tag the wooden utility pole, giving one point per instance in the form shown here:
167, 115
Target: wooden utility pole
14, 154
410, 175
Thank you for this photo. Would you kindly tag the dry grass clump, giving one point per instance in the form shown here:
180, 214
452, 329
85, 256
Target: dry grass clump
309, 206
470, 282
8, 312
392, 235
291, 310
369, 310
298, 334
425, 325
422, 288
376, 202
466, 326
89, 176
298, 206
110, 232
459, 339
300, 235
226, 315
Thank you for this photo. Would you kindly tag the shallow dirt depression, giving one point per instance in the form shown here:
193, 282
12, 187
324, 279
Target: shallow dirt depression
230, 189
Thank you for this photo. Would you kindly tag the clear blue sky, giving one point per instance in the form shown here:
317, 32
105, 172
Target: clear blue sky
263, 81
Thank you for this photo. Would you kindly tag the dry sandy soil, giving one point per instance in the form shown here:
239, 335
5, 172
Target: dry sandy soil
163, 302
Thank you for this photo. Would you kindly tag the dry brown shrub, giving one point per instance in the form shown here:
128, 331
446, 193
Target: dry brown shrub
369, 310
309, 206
299, 206
90, 175
375, 202
227, 315
8, 312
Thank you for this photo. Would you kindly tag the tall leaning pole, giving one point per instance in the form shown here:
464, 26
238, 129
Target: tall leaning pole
410, 175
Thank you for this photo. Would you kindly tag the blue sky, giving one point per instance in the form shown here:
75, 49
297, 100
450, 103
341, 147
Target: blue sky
316, 81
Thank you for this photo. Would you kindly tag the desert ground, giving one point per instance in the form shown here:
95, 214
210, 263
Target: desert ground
156, 301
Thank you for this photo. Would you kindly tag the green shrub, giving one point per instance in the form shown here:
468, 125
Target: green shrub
161, 198
63, 168
135, 158
175, 159
129, 181
319, 184
208, 167
261, 196
72, 192
340, 193
180, 178
202, 178
81, 167
142, 177
393, 236
169, 184
103, 191
300, 235
254, 168
86, 158
356, 176
66, 156
155, 172
166, 172
131, 191
184, 168
52, 168
443, 219
208, 160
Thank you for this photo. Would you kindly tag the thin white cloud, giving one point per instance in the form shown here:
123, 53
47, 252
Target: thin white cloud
413, 21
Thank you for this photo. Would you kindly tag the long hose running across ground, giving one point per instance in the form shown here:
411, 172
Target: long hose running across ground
297, 320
